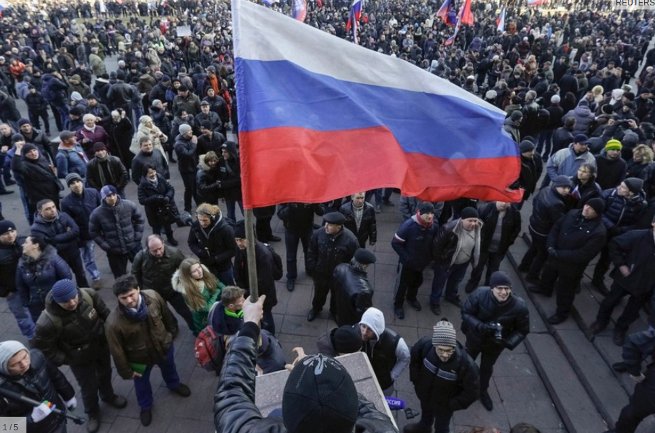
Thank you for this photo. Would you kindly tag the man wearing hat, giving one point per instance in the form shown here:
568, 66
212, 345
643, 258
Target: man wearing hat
339, 341
413, 243
209, 139
548, 206
34, 136
71, 331
39, 178
330, 245
11, 250
493, 319
573, 241
186, 146
186, 100
456, 245
206, 115
566, 162
512, 124
99, 110
79, 204
623, 207
531, 168
611, 167
633, 255
352, 288
28, 372
105, 169
265, 271
445, 379
117, 227
318, 392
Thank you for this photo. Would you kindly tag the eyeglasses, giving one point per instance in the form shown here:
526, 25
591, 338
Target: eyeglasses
442, 351
503, 289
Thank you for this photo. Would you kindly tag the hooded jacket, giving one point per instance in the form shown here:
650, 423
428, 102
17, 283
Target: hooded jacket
388, 352
214, 246
230, 174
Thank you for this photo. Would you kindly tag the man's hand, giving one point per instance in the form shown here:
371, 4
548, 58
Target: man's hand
625, 270
300, 354
639, 378
136, 375
254, 311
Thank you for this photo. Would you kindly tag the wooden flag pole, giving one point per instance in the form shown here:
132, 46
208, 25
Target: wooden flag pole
250, 251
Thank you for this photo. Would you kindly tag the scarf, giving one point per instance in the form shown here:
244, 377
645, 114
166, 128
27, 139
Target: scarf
138, 315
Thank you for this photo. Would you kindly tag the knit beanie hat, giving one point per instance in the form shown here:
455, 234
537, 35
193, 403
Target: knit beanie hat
597, 204
107, 190
63, 291
469, 212
526, 146
347, 339
5, 226
364, 256
16, 138
7, 350
240, 229
319, 396
516, 116
443, 334
613, 144
27, 148
72, 177
184, 128
562, 180
634, 184
499, 278
425, 207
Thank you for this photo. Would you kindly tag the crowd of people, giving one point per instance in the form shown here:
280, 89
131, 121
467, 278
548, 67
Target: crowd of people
577, 87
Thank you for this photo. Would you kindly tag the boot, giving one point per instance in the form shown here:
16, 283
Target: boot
93, 423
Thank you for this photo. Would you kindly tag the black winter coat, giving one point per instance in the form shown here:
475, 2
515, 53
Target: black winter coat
158, 201
326, 251
43, 381
636, 250
156, 159
547, 207
510, 230
454, 384
187, 158
611, 172
72, 337
155, 273
80, 207
234, 405
367, 227
230, 175
413, 243
576, 240
265, 280
95, 174
353, 292
207, 183
582, 193
214, 246
481, 307
62, 233
9, 256
621, 214
34, 278
117, 229
40, 182
298, 217
531, 169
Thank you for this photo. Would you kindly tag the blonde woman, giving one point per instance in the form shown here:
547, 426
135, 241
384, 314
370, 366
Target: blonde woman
200, 289
642, 156
148, 129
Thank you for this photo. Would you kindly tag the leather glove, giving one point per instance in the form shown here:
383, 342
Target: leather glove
489, 328
41, 412
72, 403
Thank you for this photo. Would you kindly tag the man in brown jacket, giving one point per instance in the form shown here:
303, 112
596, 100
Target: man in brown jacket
140, 332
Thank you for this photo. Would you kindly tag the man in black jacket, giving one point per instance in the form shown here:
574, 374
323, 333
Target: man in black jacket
352, 289
642, 404
445, 379
337, 408
493, 319
573, 241
11, 250
71, 331
105, 169
360, 219
329, 246
185, 147
633, 255
298, 220
62, 232
501, 224
547, 207
29, 373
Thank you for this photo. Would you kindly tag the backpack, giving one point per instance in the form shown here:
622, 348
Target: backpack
278, 270
56, 320
209, 347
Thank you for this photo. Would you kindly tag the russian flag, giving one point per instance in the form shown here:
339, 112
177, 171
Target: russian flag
444, 9
354, 16
500, 21
300, 10
321, 118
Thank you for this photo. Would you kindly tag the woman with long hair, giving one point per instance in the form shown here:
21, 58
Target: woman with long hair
200, 289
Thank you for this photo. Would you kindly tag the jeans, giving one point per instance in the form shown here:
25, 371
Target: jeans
142, 387
231, 208
291, 240
89, 260
22, 315
448, 276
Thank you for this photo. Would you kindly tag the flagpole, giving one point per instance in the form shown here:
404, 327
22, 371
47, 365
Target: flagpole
250, 253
